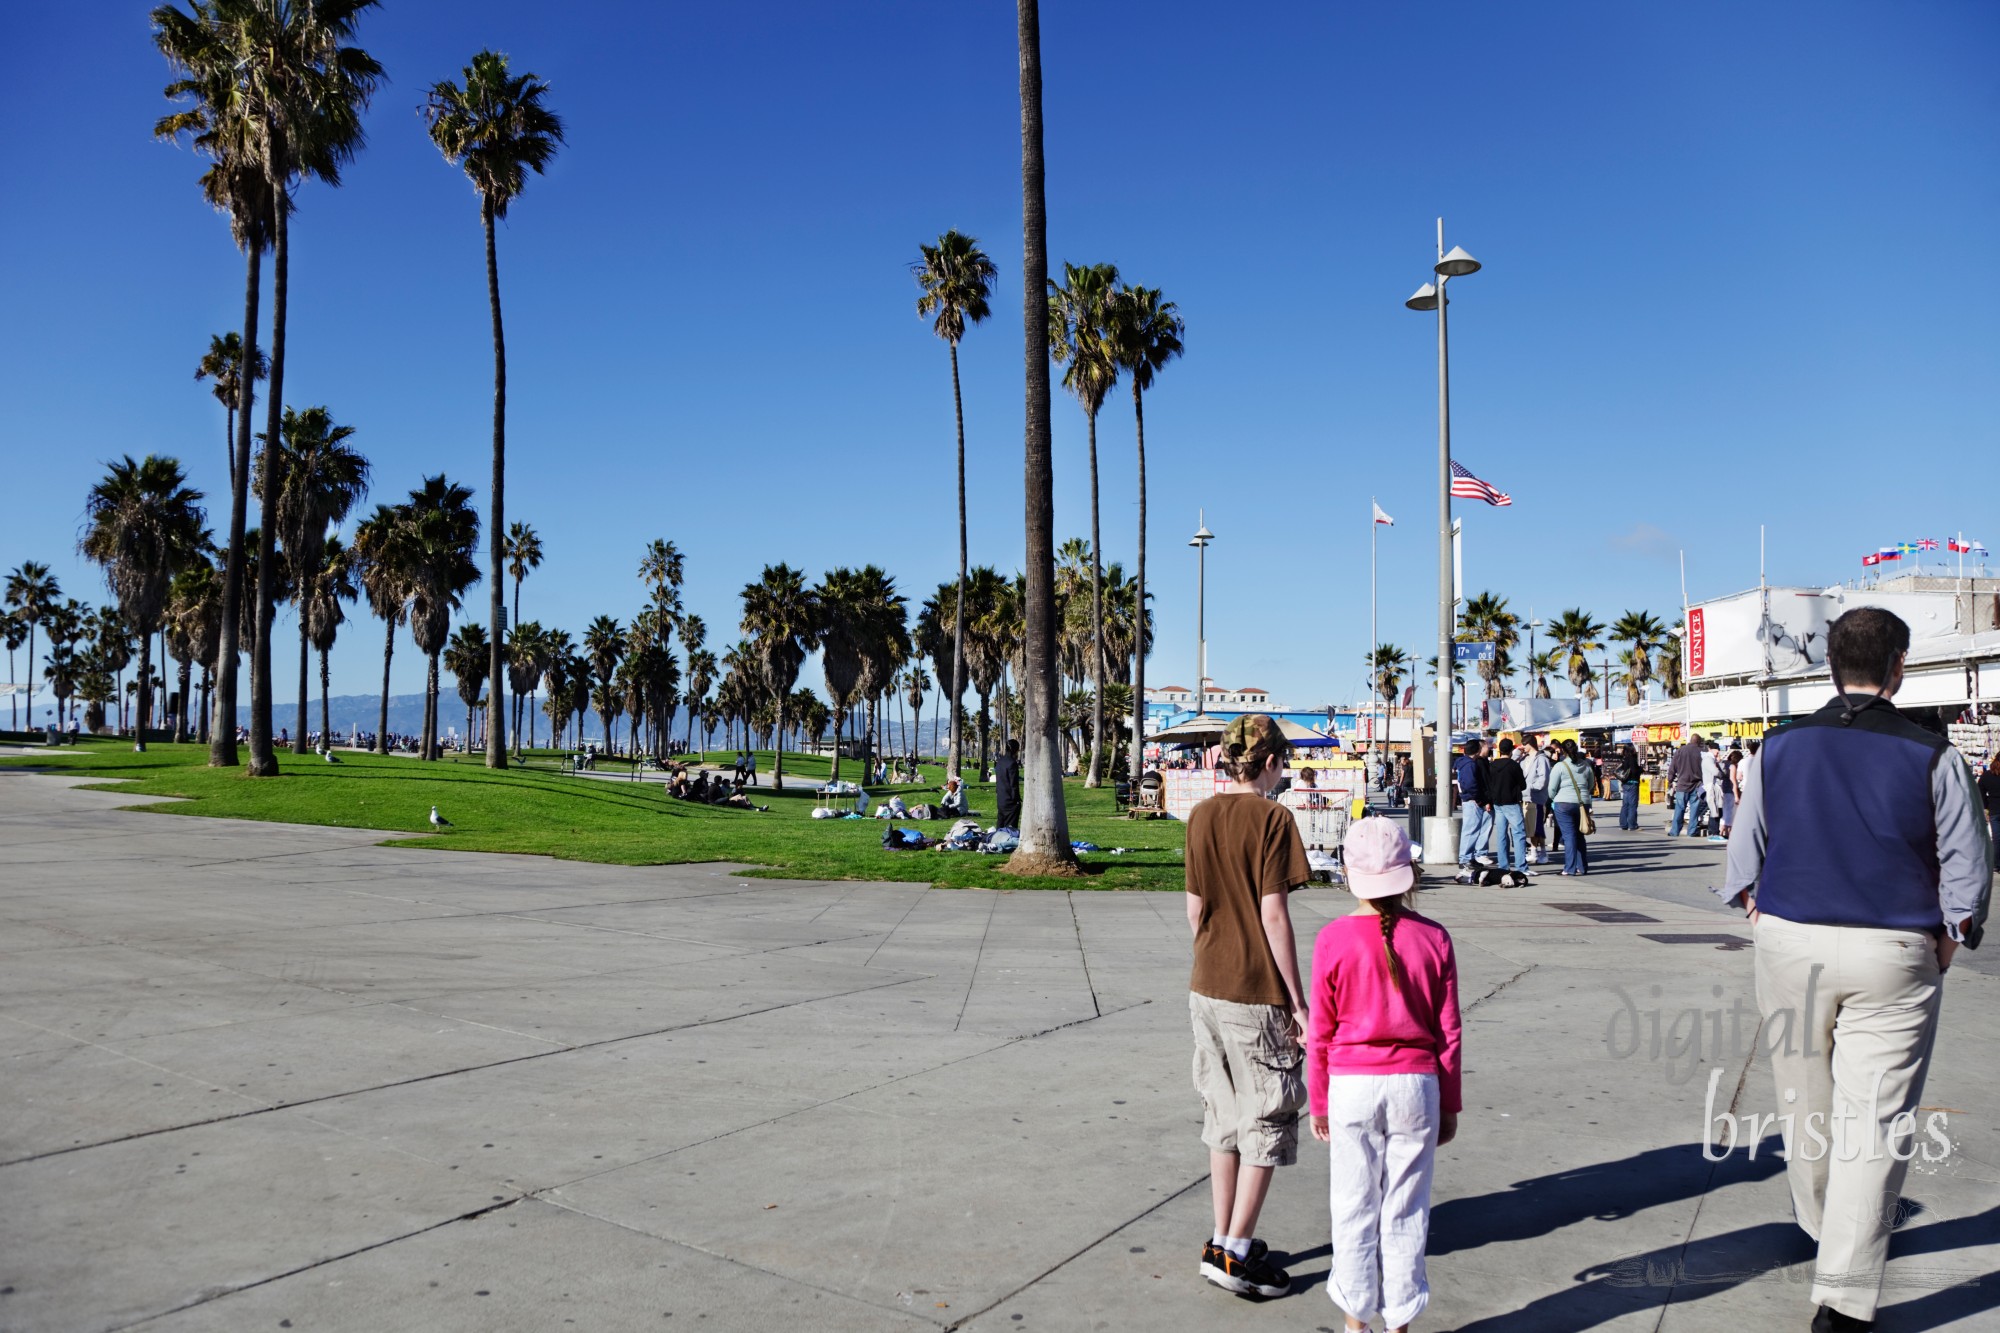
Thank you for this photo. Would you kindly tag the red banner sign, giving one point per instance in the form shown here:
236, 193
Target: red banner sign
1697, 644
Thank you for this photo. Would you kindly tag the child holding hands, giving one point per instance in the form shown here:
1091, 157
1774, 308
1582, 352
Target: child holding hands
1382, 1076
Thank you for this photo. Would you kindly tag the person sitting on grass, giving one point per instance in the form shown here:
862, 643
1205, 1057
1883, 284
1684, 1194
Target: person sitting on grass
953, 800
698, 790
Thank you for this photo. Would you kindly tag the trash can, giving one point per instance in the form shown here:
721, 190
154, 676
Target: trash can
1422, 805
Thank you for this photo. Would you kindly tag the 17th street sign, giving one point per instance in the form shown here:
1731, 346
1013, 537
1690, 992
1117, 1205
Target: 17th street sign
1472, 652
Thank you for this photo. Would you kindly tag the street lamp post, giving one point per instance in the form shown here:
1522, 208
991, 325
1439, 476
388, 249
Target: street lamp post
1200, 541
1534, 677
1440, 840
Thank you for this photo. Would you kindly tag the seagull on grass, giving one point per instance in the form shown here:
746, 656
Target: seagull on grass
438, 820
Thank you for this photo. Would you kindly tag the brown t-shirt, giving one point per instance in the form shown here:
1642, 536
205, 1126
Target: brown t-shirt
1240, 847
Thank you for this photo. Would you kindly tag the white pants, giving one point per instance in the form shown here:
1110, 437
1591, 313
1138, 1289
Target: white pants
1851, 1014
1385, 1129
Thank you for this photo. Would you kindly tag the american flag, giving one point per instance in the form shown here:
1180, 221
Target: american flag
1465, 486
1926, 544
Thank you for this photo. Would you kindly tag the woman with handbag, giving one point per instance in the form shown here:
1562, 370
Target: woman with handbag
1569, 802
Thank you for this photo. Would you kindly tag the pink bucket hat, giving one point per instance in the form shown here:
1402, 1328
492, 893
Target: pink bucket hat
1378, 859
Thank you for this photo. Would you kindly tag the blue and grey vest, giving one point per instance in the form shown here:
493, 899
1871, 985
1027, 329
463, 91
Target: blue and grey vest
1852, 836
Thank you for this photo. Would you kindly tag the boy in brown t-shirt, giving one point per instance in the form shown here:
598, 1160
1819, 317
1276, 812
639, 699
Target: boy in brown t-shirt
1244, 856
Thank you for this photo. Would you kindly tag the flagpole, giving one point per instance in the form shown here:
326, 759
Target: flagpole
1374, 635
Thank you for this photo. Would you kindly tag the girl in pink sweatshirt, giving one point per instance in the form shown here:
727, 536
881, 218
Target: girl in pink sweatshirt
1382, 1075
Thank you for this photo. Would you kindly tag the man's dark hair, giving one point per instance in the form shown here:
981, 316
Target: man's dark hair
1013, 746
1863, 645
1506, 746
1472, 747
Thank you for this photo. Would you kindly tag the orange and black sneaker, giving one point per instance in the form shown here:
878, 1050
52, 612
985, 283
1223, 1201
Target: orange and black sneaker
1252, 1275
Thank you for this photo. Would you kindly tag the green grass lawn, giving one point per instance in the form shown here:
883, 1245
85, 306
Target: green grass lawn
539, 810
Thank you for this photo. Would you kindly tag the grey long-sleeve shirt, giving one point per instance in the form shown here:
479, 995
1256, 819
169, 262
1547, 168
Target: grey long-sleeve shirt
1964, 847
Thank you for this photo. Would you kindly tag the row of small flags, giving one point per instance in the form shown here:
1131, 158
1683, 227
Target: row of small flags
1901, 549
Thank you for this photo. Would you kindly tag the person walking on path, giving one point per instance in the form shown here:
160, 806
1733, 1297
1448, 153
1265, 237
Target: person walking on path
1383, 1075
1468, 775
1007, 786
1569, 797
1247, 1008
1989, 793
1861, 858
1629, 775
1506, 785
1535, 768
1684, 778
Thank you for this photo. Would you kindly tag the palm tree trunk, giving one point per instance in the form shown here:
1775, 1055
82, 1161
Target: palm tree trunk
778, 754
207, 691
1095, 778
325, 711
431, 711
139, 713
229, 445
263, 762
839, 733
496, 535
222, 734
299, 745
1044, 820
181, 713
955, 755
1138, 763
388, 651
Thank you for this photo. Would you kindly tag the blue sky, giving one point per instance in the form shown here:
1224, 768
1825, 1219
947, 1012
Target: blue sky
1732, 277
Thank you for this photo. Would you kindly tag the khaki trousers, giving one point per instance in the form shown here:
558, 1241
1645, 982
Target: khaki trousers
1850, 1016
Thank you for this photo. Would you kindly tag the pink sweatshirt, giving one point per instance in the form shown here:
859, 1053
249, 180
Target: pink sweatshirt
1360, 1023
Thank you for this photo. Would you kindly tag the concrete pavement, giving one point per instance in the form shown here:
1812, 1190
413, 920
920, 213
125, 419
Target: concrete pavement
257, 1076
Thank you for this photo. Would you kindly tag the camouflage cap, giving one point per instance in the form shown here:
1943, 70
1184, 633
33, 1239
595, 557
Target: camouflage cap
1245, 733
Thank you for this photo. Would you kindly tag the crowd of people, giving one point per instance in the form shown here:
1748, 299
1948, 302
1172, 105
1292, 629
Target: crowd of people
1860, 848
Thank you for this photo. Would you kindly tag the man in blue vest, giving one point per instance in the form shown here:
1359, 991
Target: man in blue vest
1861, 855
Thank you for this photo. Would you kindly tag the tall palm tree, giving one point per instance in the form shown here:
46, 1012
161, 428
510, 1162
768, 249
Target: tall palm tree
320, 479
604, 641
954, 280
111, 642
1671, 672
15, 634
916, 684
322, 612
1077, 311
1145, 333
467, 657
884, 640
224, 363
443, 530
1044, 821
523, 550
992, 633
1575, 633
839, 632
65, 623
557, 663
1486, 619
781, 619
201, 47
1646, 633
661, 569
194, 606
1388, 664
1540, 665
526, 655
143, 524
302, 87
384, 565
497, 126
31, 592
700, 668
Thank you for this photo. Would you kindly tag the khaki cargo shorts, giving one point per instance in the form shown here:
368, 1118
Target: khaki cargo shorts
1251, 1077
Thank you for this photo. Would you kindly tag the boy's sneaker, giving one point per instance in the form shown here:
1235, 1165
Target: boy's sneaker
1464, 875
1211, 1260
1534, 856
1253, 1275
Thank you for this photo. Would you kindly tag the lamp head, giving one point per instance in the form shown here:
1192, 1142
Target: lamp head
1457, 264
1425, 298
